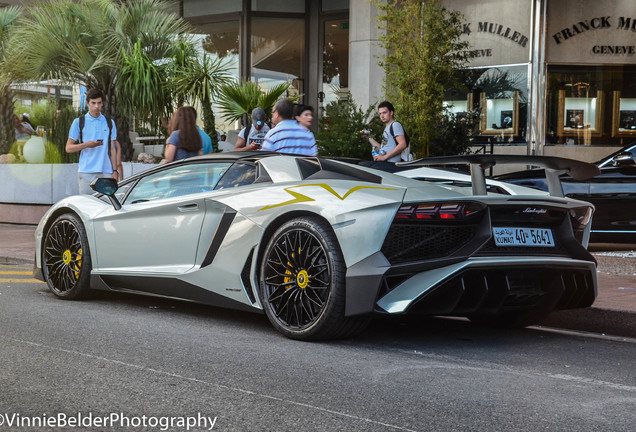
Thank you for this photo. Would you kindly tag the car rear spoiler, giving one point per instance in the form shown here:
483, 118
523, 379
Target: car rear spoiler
554, 167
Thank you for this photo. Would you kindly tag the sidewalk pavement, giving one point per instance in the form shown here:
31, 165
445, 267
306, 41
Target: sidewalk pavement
613, 312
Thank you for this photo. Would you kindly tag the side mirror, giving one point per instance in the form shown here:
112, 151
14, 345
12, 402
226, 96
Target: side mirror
108, 187
105, 185
623, 159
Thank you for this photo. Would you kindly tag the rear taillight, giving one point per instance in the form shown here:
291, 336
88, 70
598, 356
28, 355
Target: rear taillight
580, 217
447, 211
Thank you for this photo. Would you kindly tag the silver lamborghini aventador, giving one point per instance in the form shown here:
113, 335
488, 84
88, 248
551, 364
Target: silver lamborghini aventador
321, 245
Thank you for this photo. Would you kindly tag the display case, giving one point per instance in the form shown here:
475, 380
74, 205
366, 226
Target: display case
580, 116
499, 116
623, 116
460, 106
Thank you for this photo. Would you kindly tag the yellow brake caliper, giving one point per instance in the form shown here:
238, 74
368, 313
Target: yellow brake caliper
302, 278
66, 257
78, 263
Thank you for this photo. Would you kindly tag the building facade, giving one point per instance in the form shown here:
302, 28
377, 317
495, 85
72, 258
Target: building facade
31, 94
542, 72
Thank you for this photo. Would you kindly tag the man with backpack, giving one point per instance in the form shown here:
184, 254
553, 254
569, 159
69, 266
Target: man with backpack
251, 138
395, 144
87, 135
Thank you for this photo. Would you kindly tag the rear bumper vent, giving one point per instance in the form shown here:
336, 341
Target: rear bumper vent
509, 289
415, 242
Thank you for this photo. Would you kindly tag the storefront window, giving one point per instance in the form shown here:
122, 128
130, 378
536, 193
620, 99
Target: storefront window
335, 60
220, 40
278, 52
194, 8
458, 101
501, 96
335, 5
590, 105
287, 6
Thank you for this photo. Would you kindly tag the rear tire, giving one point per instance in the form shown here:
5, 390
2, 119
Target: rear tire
66, 259
302, 282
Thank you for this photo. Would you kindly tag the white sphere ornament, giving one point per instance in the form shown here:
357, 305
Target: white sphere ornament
34, 151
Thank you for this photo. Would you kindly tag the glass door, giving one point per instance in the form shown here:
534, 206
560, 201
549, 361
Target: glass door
335, 60
278, 53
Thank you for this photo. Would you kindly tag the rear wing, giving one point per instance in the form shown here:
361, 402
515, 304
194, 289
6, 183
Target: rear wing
554, 167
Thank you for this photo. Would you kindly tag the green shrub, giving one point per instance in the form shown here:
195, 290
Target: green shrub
58, 132
340, 131
453, 133
20, 109
43, 114
56, 124
52, 153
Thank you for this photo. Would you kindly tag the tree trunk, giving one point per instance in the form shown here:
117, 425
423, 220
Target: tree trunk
123, 127
123, 136
7, 129
209, 121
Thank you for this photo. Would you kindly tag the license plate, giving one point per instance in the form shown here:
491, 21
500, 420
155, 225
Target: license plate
508, 236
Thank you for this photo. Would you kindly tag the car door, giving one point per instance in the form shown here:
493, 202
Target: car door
613, 193
158, 227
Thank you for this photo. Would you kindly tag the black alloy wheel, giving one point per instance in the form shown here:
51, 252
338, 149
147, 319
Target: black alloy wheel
302, 286
66, 261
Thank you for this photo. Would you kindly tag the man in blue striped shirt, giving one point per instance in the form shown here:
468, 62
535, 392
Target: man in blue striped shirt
288, 136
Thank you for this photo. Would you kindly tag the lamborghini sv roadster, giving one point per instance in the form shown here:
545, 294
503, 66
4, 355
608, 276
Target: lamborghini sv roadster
321, 246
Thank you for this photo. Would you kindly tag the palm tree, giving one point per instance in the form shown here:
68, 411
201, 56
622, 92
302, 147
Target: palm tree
8, 17
238, 99
141, 77
89, 42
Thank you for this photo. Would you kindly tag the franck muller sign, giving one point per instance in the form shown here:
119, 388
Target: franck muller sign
498, 31
605, 22
592, 32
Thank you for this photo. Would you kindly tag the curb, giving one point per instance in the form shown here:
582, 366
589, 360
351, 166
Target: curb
16, 261
615, 265
609, 322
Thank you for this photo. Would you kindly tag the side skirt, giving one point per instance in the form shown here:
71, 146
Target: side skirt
166, 288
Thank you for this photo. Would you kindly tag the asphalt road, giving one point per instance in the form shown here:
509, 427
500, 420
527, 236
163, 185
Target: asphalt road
133, 360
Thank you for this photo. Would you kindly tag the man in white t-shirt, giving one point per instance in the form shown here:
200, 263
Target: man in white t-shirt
251, 138
393, 138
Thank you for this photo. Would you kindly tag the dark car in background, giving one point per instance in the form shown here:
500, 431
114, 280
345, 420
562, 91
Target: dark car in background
613, 193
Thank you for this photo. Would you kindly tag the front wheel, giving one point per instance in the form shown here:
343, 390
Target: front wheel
66, 261
302, 282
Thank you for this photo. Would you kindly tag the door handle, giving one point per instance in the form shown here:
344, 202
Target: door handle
188, 207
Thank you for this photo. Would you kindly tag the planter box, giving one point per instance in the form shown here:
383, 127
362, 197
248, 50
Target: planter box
154, 149
137, 148
46, 183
